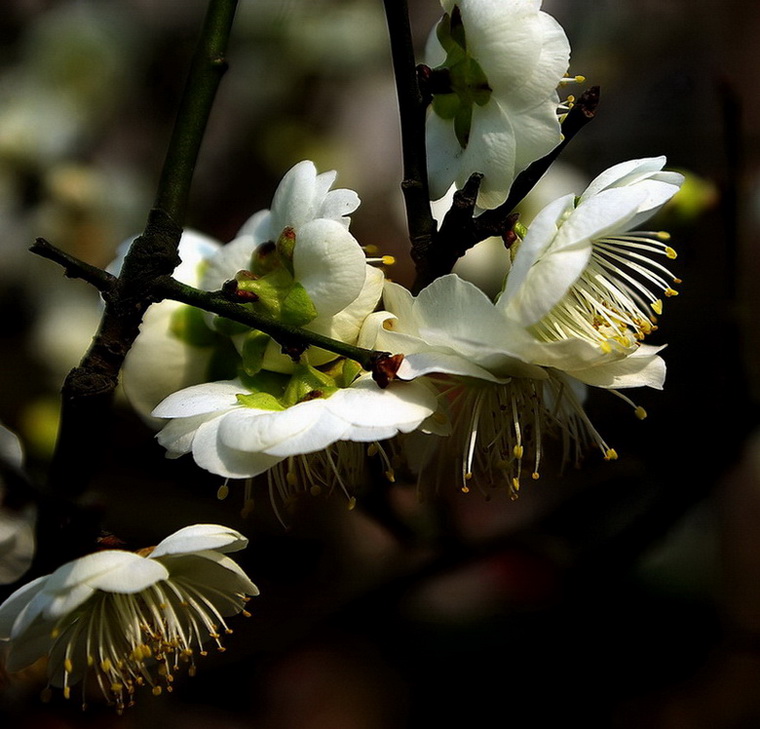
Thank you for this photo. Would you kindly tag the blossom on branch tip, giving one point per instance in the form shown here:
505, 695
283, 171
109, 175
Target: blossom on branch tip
128, 619
578, 300
496, 67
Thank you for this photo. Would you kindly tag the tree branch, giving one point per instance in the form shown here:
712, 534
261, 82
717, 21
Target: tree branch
87, 393
412, 110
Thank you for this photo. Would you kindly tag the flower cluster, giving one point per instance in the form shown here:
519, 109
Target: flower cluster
129, 619
491, 376
228, 394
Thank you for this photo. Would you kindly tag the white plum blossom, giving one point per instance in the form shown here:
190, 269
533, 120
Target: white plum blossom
583, 270
577, 301
296, 262
238, 432
127, 618
307, 226
496, 67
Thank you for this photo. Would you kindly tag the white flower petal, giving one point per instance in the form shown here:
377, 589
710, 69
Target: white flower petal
207, 397
200, 537
329, 264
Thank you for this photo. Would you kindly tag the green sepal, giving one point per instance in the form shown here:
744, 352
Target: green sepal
286, 245
306, 382
265, 259
253, 350
260, 401
297, 307
188, 325
281, 297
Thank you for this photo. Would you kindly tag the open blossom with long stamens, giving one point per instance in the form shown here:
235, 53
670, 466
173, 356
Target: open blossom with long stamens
129, 619
496, 68
576, 303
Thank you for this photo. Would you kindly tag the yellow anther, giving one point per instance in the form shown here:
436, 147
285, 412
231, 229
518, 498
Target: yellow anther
610, 455
605, 347
67, 692
54, 633
370, 250
157, 690
117, 688
68, 666
580, 79
671, 252
315, 490
245, 613
677, 281
663, 235
640, 413
223, 492
390, 475
105, 665
373, 449
352, 503
670, 292
657, 306
90, 661
535, 475
518, 450
388, 260
516, 484
292, 478
468, 475
465, 489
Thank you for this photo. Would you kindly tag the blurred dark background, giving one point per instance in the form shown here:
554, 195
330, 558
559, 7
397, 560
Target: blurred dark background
622, 594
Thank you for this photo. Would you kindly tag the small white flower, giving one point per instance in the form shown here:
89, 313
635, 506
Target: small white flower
321, 279
238, 432
326, 260
499, 63
126, 618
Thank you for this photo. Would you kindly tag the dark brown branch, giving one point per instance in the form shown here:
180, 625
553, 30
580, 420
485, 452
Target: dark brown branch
87, 393
412, 110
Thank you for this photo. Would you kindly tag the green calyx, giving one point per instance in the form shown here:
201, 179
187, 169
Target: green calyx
275, 391
468, 85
